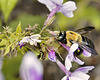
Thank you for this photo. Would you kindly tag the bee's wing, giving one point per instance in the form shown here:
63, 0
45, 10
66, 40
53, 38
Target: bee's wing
89, 49
88, 45
85, 30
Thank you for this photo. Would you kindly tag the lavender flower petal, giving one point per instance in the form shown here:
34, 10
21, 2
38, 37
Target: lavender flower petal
50, 5
58, 2
78, 61
68, 63
62, 66
86, 54
52, 56
85, 69
65, 78
78, 75
31, 68
68, 8
70, 56
64, 45
46, 2
37, 76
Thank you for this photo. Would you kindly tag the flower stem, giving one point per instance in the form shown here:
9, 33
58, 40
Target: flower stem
49, 20
62, 67
51, 14
43, 29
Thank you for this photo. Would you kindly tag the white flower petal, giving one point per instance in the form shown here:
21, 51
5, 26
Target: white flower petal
46, 2
68, 63
35, 36
50, 5
68, 8
31, 42
78, 61
64, 78
25, 39
64, 45
85, 69
59, 2
68, 14
70, 56
79, 75
73, 48
74, 78
29, 64
38, 40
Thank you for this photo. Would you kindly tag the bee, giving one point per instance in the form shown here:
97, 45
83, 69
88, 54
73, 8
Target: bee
70, 37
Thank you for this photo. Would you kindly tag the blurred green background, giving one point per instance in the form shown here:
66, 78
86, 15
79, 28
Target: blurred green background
32, 12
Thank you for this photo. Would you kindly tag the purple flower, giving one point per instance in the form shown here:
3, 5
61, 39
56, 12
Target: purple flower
70, 57
21, 44
78, 74
85, 53
31, 68
57, 6
33, 40
52, 56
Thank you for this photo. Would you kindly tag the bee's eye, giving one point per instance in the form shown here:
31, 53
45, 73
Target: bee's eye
60, 34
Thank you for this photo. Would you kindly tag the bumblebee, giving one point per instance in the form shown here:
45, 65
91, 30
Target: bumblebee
70, 37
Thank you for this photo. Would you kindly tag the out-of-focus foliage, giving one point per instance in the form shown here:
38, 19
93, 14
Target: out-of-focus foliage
11, 67
86, 14
27, 19
7, 6
9, 41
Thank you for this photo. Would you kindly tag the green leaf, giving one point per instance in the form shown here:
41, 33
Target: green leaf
7, 49
19, 29
12, 38
3, 42
7, 6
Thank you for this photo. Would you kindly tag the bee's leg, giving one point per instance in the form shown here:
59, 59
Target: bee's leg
43, 55
81, 51
39, 56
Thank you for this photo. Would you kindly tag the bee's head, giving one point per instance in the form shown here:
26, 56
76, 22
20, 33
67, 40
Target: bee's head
62, 37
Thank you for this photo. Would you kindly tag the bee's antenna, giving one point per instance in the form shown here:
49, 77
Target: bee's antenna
58, 27
60, 30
